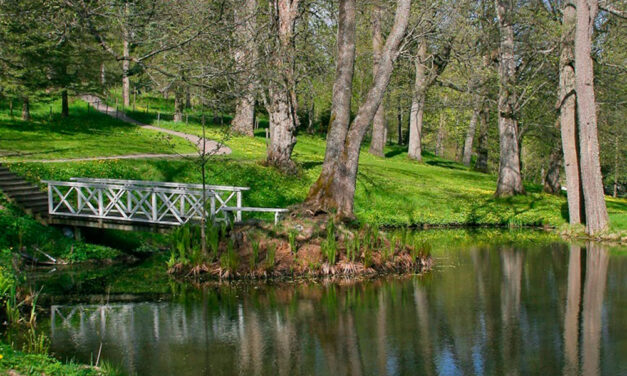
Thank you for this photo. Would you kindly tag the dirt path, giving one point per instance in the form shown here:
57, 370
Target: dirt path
211, 147
128, 156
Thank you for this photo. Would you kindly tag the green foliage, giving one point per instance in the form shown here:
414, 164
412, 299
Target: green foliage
181, 243
388, 252
353, 247
213, 240
270, 255
367, 257
255, 254
329, 246
41, 364
420, 248
36, 343
291, 235
229, 259
21, 232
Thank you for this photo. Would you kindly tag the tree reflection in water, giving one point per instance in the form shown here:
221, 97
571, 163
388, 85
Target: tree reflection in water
498, 311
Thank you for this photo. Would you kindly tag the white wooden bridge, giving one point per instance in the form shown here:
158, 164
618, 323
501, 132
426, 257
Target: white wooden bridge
126, 204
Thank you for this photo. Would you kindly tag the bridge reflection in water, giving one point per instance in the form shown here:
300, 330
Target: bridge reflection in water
553, 311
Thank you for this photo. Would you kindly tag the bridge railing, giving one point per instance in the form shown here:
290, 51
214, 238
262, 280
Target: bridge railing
167, 205
221, 196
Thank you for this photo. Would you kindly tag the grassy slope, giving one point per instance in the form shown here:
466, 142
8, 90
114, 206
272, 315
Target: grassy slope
83, 134
393, 190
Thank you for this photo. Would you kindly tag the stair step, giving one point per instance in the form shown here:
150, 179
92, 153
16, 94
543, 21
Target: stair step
11, 185
30, 200
9, 178
17, 194
17, 188
39, 209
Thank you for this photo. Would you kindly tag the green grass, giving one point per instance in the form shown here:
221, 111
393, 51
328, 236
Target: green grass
21, 232
83, 134
37, 364
391, 191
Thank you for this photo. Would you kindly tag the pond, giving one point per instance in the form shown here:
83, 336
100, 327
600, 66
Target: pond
547, 308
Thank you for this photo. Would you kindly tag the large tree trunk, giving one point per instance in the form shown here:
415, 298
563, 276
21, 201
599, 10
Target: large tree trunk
470, 133
25, 108
336, 190
568, 115
418, 104
439, 141
281, 103
616, 166
282, 127
65, 107
321, 195
378, 124
245, 56
103, 76
552, 179
510, 179
399, 118
178, 106
591, 178
481, 164
126, 81
188, 98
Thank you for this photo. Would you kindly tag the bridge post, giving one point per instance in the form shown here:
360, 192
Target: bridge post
238, 214
213, 208
154, 205
79, 200
50, 200
100, 203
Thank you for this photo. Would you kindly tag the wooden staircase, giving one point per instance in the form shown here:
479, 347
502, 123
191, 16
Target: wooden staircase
26, 195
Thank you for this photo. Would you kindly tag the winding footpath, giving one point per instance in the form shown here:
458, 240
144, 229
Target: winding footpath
211, 147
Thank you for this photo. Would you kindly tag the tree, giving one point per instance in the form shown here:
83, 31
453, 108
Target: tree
24, 49
335, 188
591, 179
280, 99
428, 68
245, 57
481, 163
379, 128
510, 178
418, 103
568, 116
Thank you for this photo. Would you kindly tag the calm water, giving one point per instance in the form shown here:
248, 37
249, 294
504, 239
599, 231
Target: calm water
549, 310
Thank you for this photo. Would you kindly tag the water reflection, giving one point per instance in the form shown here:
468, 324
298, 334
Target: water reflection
555, 310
